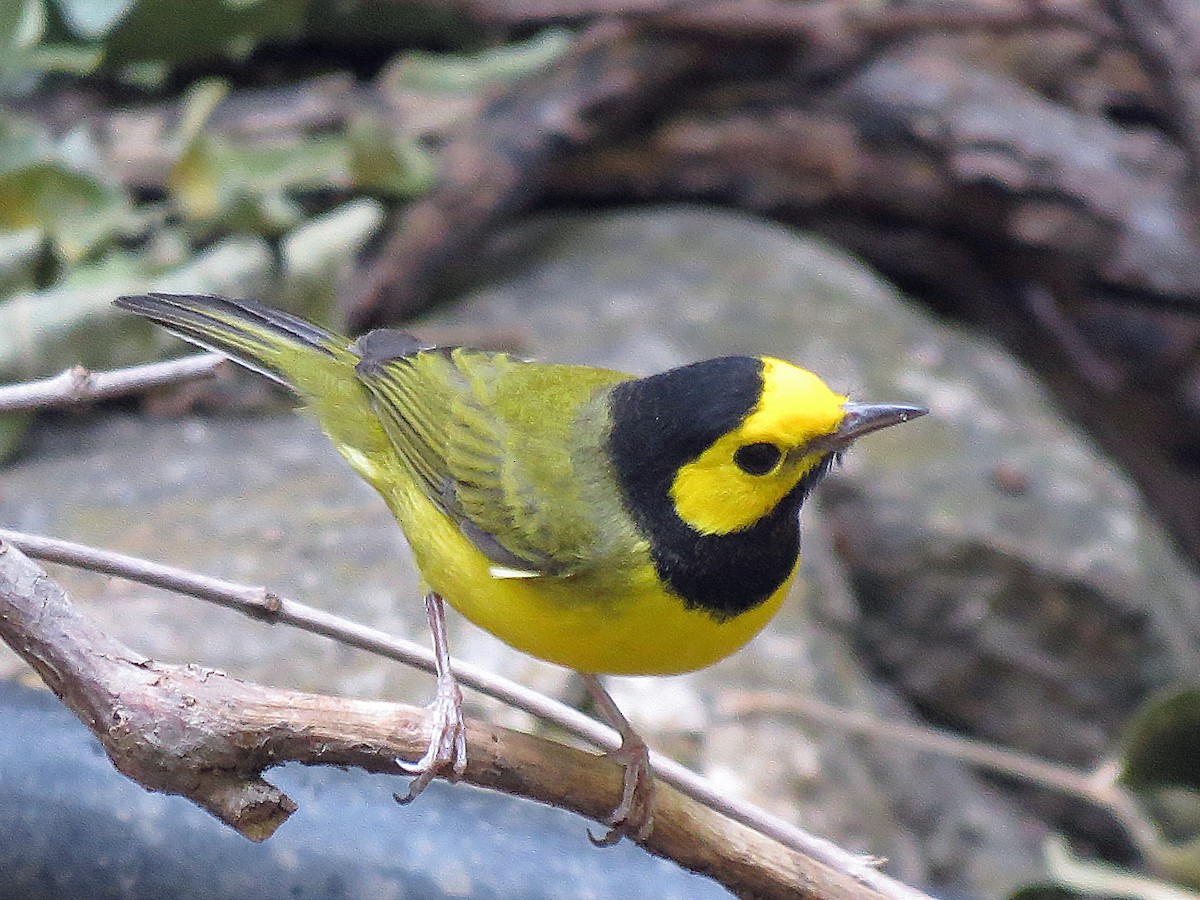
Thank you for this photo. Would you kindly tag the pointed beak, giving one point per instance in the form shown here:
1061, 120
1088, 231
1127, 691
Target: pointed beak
863, 418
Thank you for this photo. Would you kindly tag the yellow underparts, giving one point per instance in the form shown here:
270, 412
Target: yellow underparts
714, 496
576, 621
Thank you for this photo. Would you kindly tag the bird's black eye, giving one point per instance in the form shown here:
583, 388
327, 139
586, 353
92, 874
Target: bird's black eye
757, 459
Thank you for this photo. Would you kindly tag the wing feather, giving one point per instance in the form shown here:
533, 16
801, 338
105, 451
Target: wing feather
475, 439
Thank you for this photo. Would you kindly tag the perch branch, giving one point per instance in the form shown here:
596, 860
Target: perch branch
262, 604
206, 736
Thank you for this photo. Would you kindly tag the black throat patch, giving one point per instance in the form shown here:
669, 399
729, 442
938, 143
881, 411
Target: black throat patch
662, 422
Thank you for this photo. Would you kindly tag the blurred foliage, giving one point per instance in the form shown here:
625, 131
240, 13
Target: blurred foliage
143, 146
1160, 765
170, 32
1157, 781
222, 185
26, 53
1086, 879
58, 189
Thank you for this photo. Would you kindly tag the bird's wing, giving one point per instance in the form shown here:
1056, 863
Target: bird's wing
488, 438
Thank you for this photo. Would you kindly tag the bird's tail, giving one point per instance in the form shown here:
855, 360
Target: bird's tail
315, 363
269, 341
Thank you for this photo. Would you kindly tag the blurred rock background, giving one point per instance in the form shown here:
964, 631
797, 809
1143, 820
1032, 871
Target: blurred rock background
986, 208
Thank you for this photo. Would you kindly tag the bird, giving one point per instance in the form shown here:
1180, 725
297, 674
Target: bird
611, 524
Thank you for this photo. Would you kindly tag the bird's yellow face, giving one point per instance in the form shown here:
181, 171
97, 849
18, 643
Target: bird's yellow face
744, 474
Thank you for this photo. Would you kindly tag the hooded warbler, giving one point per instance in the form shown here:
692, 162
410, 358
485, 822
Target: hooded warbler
611, 524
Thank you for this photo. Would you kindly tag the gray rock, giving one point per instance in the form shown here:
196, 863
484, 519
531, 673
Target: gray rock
1013, 583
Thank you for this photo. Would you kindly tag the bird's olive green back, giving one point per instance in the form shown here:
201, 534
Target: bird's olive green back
511, 450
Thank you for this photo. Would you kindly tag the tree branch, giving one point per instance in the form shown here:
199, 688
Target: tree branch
77, 384
1098, 787
201, 734
262, 604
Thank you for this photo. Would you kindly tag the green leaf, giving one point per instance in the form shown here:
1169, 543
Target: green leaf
1160, 765
62, 58
320, 253
22, 24
75, 210
92, 19
175, 31
453, 73
387, 164
1160, 747
223, 185
199, 103
58, 188
22, 55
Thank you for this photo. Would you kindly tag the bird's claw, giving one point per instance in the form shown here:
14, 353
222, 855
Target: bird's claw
446, 755
634, 816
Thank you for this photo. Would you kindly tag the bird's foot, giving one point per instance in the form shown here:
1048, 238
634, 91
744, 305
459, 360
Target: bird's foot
447, 752
634, 816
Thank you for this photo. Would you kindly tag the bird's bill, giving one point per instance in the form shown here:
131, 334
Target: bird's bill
863, 418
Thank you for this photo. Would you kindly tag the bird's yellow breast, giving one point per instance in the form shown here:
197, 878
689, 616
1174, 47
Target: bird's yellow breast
623, 623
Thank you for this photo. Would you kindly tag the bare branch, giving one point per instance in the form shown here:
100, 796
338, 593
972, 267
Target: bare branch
1094, 787
265, 605
203, 735
1046, 311
77, 384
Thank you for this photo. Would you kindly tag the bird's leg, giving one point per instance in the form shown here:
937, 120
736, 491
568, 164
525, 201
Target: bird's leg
447, 753
634, 815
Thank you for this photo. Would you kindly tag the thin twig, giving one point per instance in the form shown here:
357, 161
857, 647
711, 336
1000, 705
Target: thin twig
201, 734
262, 604
1099, 372
1096, 787
77, 384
